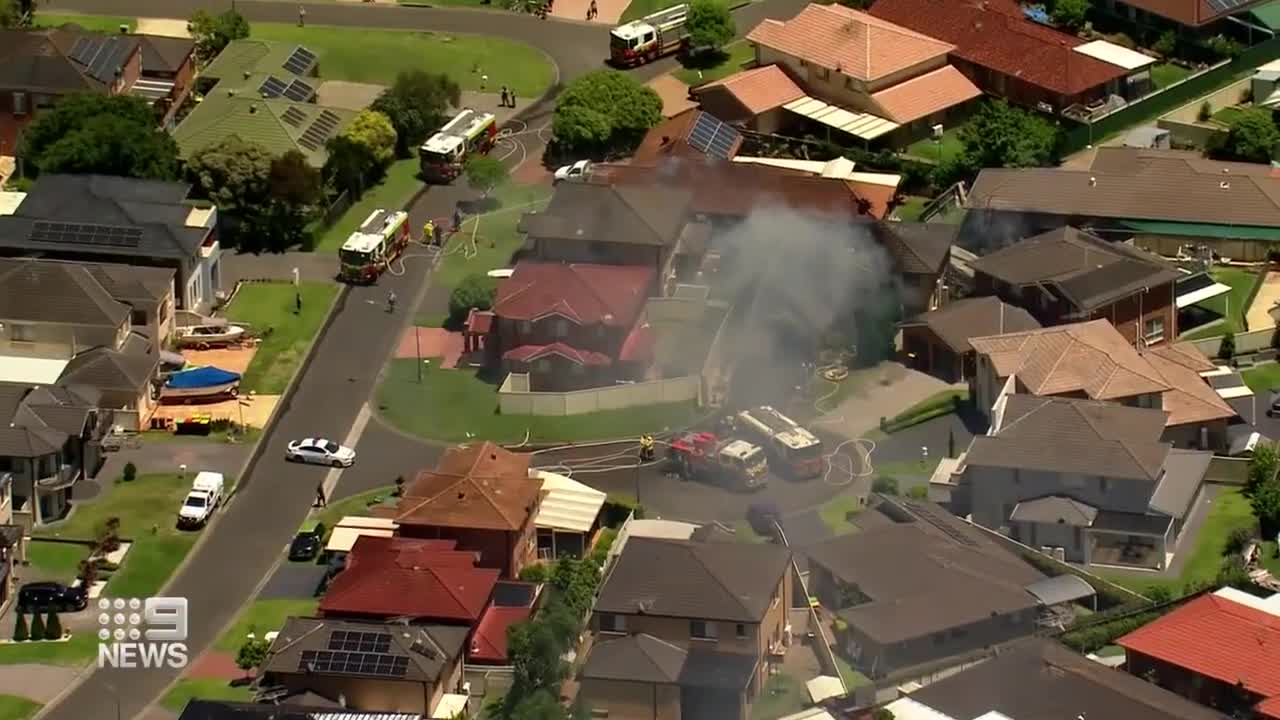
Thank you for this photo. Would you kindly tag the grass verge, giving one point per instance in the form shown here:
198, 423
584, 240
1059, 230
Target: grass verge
1232, 307
261, 617
353, 505
58, 560
1263, 377
271, 306
394, 192
13, 707
709, 67
936, 405
188, 689
835, 513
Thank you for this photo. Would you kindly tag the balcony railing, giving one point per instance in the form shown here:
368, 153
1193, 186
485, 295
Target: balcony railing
65, 476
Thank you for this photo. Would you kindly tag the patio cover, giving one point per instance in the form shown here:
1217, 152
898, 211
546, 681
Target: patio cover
569, 506
450, 706
1060, 590
861, 125
31, 371
824, 687
1197, 288
350, 528
1114, 54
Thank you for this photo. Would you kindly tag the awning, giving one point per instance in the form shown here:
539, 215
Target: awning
1060, 589
824, 687
344, 537
1198, 288
862, 125
451, 706
569, 505
1113, 54
1203, 230
30, 371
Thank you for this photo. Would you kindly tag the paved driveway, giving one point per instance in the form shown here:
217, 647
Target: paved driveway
883, 391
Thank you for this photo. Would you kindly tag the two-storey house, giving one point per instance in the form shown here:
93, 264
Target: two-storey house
483, 498
937, 342
687, 629
11, 543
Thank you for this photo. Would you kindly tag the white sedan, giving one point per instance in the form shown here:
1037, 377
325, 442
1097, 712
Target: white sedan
576, 171
319, 451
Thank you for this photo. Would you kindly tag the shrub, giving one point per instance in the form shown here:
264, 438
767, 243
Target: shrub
53, 627
1095, 637
918, 492
1206, 112
1237, 540
1228, 348
20, 632
617, 508
1166, 44
37, 626
475, 291
88, 573
129, 472
534, 573
885, 485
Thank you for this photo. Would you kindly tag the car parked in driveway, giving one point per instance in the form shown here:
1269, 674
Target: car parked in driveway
576, 171
45, 596
320, 451
307, 543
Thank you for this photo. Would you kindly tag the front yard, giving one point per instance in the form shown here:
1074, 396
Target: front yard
394, 192
489, 239
1263, 378
270, 310
701, 69
1232, 307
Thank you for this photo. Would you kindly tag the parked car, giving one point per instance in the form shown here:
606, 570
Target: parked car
320, 452
1274, 409
576, 171
762, 518
204, 498
307, 543
45, 596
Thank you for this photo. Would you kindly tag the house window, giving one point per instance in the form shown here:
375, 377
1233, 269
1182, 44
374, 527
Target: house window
740, 630
21, 333
824, 73
138, 317
610, 623
1153, 330
19, 103
702, 630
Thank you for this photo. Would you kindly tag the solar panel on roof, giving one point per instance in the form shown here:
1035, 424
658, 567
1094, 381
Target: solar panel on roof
294, 117
1226, 5
320, 130
81, 51
86, 234
299, 91
272, 87
369, 642
335, 662
712, 137
300, 61
108, 59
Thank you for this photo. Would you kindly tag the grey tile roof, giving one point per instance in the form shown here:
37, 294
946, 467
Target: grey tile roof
710, 581
1039, 678
636, 658
957, 321
164, 54
431, 649
53, 292
1054, 509
1075, 436
105, 369
713, 670
1184, 472
921, 248
37, 61
630, 214
37, 421
132, 283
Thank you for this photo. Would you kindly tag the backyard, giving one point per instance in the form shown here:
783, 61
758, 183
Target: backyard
1264, 377
1231, 307
270, 309
938, 151
394, 192
700, 69
782, 695
1165, 74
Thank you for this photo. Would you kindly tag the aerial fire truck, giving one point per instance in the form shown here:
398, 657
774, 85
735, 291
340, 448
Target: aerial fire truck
707, 457
650, 37
792, 447
444, 153
369, 251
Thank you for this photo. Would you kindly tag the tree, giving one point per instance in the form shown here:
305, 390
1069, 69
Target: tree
88, 133
252, 653
1000, 135
710, 25
37, 626
296, 192
20, 632
129, 472
1265, 500
1227, 349
359, 156
1167, 43
10, 14
212, 33
1070, 14
605, 110
1263, 467
536, 650
576, 579
374, 130
540, 705
235, 175
475, 291
52, 627
1252, 136
417, 104
885, 485
485, 172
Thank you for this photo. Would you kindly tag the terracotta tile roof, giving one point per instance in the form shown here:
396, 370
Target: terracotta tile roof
879, 197
395, 577
1190, 399
489, 642
1090, 357
529, 353
481, 486
1188, 12
1217, 638
582, 293
758, 90
925, 94
671, 139
1001, 39
1269, 708
851, 42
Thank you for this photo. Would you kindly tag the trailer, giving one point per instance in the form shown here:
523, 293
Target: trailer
443, 155
706, 456
650, 37
370, 250
790, 446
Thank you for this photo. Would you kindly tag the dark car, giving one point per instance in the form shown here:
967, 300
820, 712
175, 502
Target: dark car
306, 544
44, 596
1274, 410
762, 517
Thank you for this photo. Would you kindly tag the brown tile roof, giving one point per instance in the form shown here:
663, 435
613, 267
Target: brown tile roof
920, 248
758, 90
671, 139
1190, 399
430, 649
925, 94
1089, 357
960, 320
1193, 13
996, 35
848, 41
481, 486
583, 293
1135, 161
636, 214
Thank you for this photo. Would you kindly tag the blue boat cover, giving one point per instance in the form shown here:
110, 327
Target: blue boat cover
201, 377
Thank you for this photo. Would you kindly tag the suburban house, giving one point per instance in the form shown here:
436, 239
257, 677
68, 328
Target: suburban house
863, 75
1006, 54
755, 98
1221, 650
512, 603
1040, 678
427, 580
1091, 482
316, 708
482, 498
921, 254
937, 342
1066, 275
106, 219
168, 73
879, 190
266, 91
367, 666
1092, 360
569, 516
1184, 15
11, 543
882, 584
689, 135
687, 629
1163, 199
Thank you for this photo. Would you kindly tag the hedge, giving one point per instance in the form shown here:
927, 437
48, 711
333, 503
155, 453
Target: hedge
1096, 637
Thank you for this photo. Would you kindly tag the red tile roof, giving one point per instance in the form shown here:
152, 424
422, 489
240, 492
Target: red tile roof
398, 577
582, 293
671, 139
1189, 12
995, 35
758, 90
489, 642
1269, 708
925, 95
529, 353
1217, 638
481, 486
479, 322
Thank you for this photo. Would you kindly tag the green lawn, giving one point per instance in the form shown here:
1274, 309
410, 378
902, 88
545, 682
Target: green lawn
393, 193
698, 70
80, 649
852, 678
935, 151
271, 305
261, 617
911, 468
56, 559
1242, 283
449, 404
13, 707
936, 405
188, 689
1267, 558
1263, 378
912, 208
376, 56
1165, 74
488, 240
782, 695
147, 508
1227, 115
100, 23
834, 512
353, 505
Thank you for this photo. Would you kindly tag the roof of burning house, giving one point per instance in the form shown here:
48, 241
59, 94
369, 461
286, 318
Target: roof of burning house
633, 214
959, 320
583, 293
674, 137
483, 486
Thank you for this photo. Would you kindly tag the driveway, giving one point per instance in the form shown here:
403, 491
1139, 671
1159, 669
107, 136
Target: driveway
883, 391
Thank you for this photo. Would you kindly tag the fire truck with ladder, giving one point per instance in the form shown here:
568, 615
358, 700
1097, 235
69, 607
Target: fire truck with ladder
443, 154
650, 37
707, 457
370, 250
790, 446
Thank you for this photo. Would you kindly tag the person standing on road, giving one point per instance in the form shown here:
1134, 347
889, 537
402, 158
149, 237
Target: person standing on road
511, 97
428, 233
320, 498
302, 16
504, 96
457, 219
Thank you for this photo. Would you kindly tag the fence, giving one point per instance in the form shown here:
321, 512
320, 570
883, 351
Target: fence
1171, 97
488, 680
514, 397
1246, 342
1228, 470
340, 205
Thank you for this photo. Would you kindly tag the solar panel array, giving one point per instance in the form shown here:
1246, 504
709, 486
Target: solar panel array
102, 57
320, 130
272, 87
712, 137
294, 117
300, 61
1226, 5
353, 663
299, 91
86, 234
374, 642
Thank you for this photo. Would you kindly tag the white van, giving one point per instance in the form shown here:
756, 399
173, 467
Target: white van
205, 496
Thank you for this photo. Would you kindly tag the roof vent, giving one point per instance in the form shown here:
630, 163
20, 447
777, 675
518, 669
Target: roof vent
1093, 182
462, 495
247, 74
1224, 185
1226, 171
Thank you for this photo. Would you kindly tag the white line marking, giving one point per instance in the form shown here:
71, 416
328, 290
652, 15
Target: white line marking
353, 437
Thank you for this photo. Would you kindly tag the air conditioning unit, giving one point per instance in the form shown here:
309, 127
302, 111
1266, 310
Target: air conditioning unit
1060, 554
937, 131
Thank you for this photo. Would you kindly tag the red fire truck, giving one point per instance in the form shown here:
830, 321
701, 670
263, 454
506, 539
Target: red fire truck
369, 251
708, 457
792, 447
443, 154
650, 37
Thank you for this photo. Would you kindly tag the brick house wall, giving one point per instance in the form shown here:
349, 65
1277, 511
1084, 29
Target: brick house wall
631, 700
927, 353
1150, 313
1191, 685
506, 551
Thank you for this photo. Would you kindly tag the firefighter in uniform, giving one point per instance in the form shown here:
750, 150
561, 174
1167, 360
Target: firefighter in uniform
428, 233
646, 448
